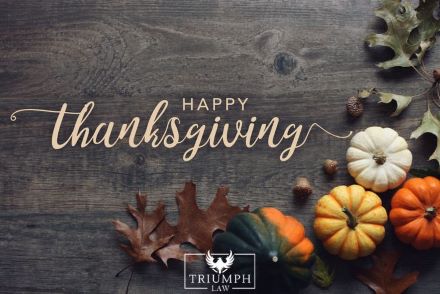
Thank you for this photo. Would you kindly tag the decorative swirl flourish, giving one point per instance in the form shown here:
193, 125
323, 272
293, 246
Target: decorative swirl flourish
325, 131
13, 116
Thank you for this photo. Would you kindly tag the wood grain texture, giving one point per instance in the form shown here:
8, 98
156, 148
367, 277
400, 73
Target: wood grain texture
298, 60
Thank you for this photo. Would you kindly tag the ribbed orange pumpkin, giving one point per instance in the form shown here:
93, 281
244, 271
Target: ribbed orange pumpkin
415, 213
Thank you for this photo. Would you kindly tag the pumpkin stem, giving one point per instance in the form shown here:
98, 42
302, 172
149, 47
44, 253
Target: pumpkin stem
430, 213
380, 158
351, 222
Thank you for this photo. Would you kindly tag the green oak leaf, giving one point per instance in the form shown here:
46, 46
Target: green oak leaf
322, 276
401, 100
429, 125
428, 28
384, 97
410, 32
365, 93
401, 19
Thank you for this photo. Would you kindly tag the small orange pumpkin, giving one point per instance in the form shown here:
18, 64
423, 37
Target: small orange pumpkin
415, 213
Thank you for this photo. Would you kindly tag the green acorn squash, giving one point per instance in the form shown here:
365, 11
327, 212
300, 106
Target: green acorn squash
284, 256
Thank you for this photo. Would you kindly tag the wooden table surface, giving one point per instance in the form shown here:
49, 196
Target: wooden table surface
298, 60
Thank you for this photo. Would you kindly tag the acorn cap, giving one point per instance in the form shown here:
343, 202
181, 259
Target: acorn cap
330, 166
302, 188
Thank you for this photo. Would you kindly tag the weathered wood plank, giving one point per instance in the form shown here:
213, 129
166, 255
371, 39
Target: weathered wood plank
297, 60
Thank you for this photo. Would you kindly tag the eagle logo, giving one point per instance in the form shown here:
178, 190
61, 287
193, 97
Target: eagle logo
219, 266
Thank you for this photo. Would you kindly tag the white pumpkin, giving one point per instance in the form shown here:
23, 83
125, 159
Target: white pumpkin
378, 159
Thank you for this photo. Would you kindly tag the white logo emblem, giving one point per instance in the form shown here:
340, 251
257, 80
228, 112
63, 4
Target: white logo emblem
219, 266
221, 278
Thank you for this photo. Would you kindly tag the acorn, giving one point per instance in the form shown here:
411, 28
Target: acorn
302, 189
436, 74
355, 107
330, 167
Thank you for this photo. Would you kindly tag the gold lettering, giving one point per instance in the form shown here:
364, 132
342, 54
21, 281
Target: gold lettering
172, 134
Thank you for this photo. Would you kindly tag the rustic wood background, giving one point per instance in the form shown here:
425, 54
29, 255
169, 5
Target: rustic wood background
298, 60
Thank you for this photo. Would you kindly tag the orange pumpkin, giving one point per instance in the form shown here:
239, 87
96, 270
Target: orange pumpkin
415, 213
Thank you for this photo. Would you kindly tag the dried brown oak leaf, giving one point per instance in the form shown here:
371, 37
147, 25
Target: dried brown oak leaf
196, 226
142, 246
380, 276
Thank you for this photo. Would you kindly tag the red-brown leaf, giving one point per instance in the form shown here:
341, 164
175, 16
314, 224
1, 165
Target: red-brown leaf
196, 226
141, 246
380, 276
